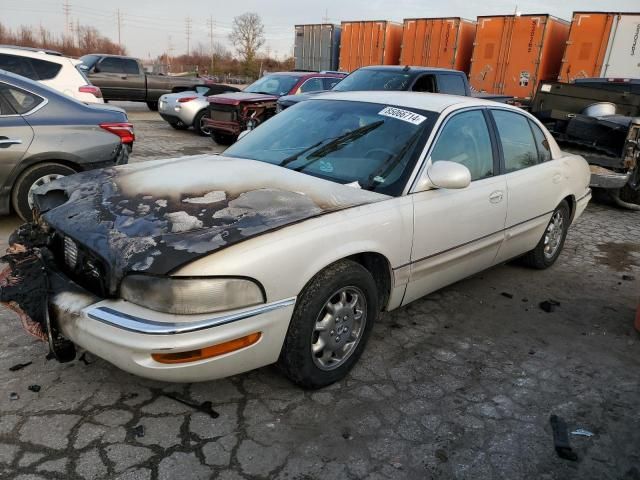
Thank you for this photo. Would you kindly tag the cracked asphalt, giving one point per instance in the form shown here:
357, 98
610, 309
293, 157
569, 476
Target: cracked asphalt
460, 384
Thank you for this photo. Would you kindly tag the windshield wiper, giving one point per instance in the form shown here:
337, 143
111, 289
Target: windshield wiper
262, 93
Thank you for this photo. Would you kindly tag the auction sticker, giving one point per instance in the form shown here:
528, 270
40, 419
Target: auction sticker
404, 115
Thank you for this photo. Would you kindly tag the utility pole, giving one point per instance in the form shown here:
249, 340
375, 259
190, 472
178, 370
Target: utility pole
210, 25
187, 28
169, 52
119, 20
77, 29
66, 8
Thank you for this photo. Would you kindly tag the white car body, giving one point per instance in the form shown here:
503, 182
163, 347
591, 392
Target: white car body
68, 80
428, 237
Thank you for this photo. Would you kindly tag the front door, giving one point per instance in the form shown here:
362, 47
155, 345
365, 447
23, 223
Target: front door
458, 232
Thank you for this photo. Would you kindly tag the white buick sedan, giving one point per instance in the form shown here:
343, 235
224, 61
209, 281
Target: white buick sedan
287, 247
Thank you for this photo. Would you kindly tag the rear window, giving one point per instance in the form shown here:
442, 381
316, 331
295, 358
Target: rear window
32, 68
89, 61
20, 100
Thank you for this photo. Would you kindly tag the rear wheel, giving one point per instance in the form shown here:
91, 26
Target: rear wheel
32, 178
199, 125
153, 106
330, 325
223, 139
550, 245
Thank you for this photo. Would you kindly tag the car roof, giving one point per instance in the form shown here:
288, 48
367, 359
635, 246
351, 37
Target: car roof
409, 69
39, 54
434, 102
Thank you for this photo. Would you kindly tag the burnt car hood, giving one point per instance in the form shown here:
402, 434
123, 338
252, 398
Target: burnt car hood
241, 97
155, 217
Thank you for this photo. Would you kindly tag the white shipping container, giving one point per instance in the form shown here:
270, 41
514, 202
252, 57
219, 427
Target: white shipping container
622, 59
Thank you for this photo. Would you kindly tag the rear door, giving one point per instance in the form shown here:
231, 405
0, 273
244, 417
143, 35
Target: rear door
534, 181
135, 80
15, 133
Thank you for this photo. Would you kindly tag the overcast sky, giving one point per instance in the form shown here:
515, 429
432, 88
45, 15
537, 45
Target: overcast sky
151, 27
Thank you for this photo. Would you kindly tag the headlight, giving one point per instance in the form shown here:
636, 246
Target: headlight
186, 296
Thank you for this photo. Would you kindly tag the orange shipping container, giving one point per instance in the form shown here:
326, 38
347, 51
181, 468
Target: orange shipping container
369, 43
602, 44
513, 53
438, 42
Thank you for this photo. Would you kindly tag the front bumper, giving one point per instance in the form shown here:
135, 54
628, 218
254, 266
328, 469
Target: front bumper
227, 128
126, 335
604, 178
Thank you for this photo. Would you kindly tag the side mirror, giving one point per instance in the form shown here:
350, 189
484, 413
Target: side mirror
243, 134
445, 174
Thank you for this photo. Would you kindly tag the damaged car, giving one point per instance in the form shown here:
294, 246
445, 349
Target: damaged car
286, 248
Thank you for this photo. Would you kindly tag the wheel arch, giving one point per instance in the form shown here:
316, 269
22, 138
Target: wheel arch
25, 166
571, 201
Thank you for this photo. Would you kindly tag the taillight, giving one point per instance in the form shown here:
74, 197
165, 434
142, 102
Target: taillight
92, 89
123, 130
186, 99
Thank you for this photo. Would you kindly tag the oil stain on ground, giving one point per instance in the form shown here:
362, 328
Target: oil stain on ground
619, 256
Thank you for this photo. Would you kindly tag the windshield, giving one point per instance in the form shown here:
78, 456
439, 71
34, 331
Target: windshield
88, 61
368, 145
273, 85
367, 79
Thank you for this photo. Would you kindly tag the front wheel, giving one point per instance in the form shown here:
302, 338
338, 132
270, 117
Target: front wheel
330, 326
32, 178
550, 245
199, 125
223, 139
153, 106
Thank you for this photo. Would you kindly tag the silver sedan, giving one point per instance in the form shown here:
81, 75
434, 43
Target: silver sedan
188, 109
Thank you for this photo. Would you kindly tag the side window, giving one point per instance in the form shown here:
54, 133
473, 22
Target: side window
131, 66
111, 65
544, 150
518, 145
465, 139
312, 85
426, 83
451, 84
17, 65
5, 108
20, 100
45, 70
329, 82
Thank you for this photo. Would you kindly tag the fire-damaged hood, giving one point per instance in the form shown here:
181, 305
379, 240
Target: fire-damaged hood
155, 217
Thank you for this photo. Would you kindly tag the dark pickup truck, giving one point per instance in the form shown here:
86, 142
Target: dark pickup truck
599, 119
412, 79
124, 78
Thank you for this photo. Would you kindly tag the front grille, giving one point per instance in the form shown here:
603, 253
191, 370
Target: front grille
222, 113
80, 264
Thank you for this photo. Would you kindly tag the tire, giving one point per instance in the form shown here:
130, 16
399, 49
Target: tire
629, 195
223, 139
28, 178
538, 257
179, 126
153, 106
197, 126
297, 361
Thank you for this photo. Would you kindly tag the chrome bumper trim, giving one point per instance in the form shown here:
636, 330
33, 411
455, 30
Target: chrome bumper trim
135, 324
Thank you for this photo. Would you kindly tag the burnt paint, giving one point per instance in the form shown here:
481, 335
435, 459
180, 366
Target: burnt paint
158, 216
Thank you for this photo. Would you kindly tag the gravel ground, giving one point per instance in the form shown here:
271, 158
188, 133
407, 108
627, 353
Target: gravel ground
460, 384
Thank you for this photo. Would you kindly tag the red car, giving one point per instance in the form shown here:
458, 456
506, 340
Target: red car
232, 113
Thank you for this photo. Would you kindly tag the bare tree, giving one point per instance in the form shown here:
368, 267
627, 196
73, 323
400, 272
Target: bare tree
247, 35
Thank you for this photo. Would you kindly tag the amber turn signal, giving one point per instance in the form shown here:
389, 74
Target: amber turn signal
207, 352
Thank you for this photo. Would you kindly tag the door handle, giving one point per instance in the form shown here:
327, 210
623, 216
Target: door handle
123, 77
496, 197
6, 142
